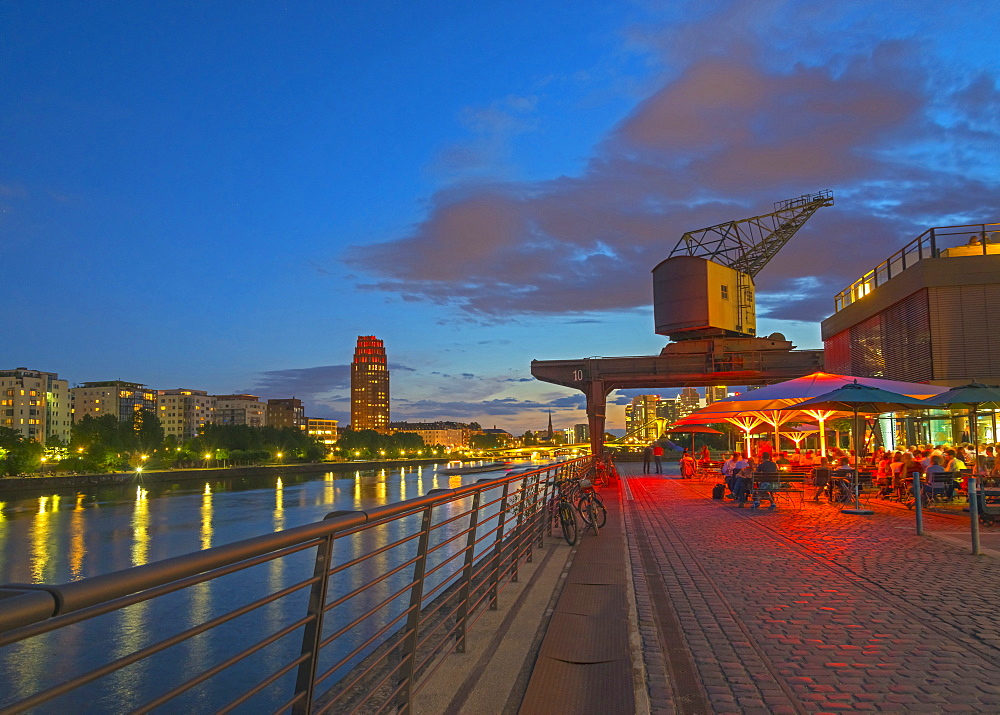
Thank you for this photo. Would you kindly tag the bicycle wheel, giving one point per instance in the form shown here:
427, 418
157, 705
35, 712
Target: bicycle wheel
600, 512
593, 517
567, 518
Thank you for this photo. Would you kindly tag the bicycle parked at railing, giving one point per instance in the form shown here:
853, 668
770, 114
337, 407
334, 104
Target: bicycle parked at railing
590, 505
561, 507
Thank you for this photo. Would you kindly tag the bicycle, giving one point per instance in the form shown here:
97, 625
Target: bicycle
561, 505
590, 506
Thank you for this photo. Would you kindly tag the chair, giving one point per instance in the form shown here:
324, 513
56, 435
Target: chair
941, 484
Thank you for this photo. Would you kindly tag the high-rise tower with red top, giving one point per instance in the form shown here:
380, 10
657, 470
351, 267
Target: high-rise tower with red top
369, 385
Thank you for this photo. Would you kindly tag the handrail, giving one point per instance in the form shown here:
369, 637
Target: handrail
447, 560
926, 245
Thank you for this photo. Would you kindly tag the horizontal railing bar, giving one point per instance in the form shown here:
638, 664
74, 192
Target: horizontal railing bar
369, 584
444, 563
101, 609
260, 686
359, 648
158, 647
228, 663
380, 683
371, 611
349, 686
365, 557
450, 519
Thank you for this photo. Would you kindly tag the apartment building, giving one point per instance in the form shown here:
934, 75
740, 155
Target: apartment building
35, 403
184, 412
112, 397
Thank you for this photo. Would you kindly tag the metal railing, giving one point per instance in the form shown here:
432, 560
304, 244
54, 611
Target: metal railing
940, 242
350, 614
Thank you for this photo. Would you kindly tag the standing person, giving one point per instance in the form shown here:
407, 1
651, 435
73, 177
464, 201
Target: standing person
657, 456
647, 457
688, 465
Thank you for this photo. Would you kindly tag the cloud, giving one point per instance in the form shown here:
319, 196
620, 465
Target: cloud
729, 130
304, 382
426, 409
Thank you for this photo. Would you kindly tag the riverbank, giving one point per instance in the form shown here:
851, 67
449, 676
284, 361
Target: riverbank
14, 484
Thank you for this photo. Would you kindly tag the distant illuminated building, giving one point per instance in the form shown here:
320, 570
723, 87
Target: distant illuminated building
184, 412
581, 433
322, 430
640, 417
369, 385
687, 402
112, 397
35, 403
240, 410
715, 393
286, 412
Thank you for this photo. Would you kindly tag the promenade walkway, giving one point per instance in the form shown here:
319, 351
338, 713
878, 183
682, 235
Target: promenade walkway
804, 610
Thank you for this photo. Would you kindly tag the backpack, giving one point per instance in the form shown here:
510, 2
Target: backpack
718, 491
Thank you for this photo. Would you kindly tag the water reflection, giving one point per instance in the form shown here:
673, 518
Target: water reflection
77, 543
41, 535
206, 517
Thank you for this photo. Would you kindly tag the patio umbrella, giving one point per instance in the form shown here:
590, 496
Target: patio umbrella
693, 429
766, 401
971, 397
861, 399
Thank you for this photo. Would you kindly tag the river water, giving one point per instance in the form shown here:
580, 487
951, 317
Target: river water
69, 534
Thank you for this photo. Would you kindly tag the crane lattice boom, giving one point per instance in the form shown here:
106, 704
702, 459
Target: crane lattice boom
748, 244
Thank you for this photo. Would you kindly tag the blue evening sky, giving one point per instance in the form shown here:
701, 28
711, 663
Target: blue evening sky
223, 196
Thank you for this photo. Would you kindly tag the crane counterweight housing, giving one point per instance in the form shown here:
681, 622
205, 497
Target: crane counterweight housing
705, 287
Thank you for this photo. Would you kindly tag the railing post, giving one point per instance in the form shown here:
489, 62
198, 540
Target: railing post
305, 680
543, 512
527, 510
409, 657
518, 531
497, 545
470, 548
973, 491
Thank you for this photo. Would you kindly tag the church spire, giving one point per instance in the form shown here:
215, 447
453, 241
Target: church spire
551, 433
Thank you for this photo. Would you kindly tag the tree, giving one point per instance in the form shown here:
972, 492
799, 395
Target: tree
148, 430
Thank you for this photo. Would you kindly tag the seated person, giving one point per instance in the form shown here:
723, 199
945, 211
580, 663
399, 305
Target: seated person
743, 482
768, 479
933, 471
821, 478
845, 474
783, 459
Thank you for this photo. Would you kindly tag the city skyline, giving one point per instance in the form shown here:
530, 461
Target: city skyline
225, 199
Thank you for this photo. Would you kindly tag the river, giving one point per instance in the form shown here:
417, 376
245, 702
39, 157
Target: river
69, 534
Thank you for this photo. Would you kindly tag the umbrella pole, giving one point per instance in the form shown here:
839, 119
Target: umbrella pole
822, 436
857, 476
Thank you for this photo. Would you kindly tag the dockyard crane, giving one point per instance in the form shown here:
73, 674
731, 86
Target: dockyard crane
705, 287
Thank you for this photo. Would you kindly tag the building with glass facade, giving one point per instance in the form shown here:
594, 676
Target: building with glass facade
925, 314
112, 397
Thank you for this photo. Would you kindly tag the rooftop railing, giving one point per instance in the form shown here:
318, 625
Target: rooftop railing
354, 613
942, 242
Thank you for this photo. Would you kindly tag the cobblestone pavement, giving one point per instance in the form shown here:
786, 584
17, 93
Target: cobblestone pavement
806, 610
